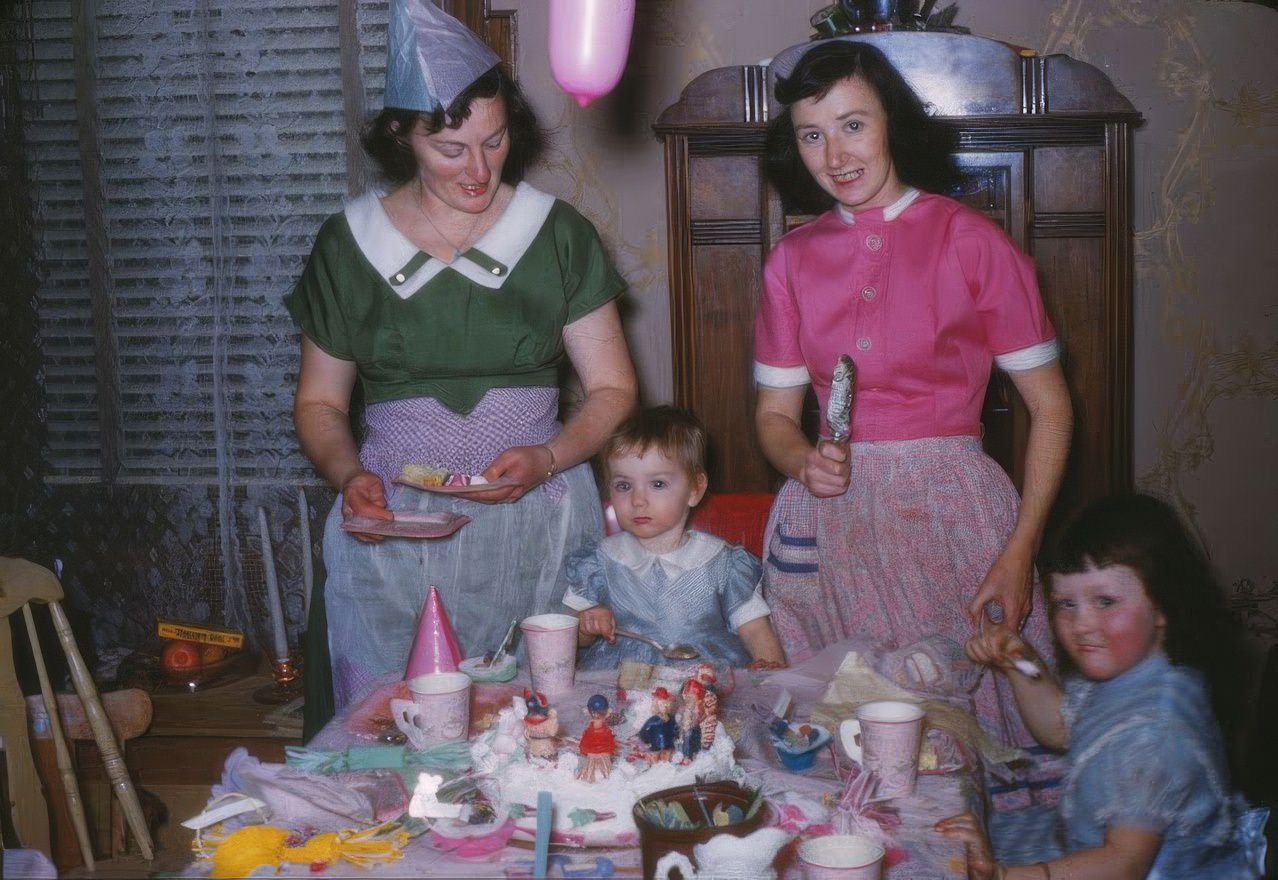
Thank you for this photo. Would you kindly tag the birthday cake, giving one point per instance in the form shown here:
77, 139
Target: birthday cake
513, 767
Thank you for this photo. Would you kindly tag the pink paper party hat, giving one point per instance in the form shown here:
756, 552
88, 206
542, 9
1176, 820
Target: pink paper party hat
434, 647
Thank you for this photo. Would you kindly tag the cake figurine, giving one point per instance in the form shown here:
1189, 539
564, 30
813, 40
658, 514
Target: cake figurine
541, 727
659, 731
598, 744
710, 704
691, 714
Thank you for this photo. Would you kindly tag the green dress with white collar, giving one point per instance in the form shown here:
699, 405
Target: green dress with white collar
418, 327
457, 362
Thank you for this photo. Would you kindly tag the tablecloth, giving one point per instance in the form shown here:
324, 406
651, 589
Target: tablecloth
916, 852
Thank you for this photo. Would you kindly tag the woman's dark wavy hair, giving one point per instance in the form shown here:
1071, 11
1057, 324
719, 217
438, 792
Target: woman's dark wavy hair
1146, 535
920, 144
386, 137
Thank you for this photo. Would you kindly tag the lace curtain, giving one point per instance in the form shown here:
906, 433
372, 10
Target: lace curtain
180, 156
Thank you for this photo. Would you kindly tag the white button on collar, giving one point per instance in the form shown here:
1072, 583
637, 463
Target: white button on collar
399, 277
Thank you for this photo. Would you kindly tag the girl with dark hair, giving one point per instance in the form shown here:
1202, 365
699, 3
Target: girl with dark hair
911, 529
452, 300
1137, 611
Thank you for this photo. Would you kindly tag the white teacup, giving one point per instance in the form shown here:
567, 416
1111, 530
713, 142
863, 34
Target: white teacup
841, 857
439, 711
884, 737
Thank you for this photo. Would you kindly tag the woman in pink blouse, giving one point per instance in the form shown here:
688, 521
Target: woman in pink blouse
912, 529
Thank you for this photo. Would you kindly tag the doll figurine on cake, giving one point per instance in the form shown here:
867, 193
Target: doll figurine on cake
659, 731
541, 727
691, 715
710, 704
598, 744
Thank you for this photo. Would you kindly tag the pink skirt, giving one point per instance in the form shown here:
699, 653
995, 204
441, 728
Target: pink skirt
898, 557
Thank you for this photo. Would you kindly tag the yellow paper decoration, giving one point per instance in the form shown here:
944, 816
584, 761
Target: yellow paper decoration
242, 852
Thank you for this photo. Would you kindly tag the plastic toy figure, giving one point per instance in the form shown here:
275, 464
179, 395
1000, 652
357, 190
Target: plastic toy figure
691, 714
598, 744
541, 727
710, 704
659, 731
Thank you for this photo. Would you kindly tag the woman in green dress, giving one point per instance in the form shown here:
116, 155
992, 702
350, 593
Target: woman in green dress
452, 300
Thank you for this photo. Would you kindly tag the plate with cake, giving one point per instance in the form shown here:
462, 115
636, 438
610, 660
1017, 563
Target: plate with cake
433, 479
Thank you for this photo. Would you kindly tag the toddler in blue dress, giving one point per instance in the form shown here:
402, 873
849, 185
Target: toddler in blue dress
657, 577
1146, 794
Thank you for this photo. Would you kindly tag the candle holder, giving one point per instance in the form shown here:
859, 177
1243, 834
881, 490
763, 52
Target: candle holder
287, 675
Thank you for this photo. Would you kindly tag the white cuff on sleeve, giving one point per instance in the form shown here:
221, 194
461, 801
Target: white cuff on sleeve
780, 377
755, 608
1029, 358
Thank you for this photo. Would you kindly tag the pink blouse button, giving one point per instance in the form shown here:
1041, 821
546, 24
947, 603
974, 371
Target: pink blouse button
863, 343
874, 241
868, 293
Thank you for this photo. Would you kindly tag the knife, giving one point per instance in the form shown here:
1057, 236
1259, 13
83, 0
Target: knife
838, 409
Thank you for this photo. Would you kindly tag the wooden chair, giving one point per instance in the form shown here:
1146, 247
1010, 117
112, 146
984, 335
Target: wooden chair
21, 583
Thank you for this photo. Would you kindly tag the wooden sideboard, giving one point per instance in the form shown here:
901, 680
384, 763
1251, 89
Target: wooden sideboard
1045, 143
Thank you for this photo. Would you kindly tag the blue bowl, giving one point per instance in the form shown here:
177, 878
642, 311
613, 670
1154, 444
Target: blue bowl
802, 759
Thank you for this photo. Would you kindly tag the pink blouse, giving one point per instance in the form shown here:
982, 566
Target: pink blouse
924, 295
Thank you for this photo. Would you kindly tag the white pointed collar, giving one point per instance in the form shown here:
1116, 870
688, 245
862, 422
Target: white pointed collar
891, 212
699, 549
488, 263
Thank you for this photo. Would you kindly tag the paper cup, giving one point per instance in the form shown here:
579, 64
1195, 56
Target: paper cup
551, 643
841, 857
884, 737
439, 711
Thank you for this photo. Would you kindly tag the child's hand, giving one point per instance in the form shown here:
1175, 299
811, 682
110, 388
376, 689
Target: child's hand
598, 621
998, 646
965, 828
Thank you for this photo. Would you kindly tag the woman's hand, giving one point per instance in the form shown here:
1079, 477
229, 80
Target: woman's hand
966, 829
825, 469
597, 622
364, 495
527, 467
1008, 582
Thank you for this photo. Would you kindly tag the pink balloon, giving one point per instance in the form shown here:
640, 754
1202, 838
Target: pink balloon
589, 40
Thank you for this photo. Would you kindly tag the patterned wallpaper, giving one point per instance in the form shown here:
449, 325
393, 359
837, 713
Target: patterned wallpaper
1206, 177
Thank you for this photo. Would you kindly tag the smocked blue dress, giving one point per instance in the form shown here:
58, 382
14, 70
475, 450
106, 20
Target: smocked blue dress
1145, 752
698, 595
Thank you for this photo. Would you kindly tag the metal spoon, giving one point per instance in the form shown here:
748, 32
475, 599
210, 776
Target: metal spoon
671, 652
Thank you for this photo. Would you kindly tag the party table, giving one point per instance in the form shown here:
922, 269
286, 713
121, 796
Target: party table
799, 803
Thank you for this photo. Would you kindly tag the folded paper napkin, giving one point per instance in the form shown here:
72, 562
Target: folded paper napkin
857, 682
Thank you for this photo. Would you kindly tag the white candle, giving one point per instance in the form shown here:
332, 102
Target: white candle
273, 605
308, 563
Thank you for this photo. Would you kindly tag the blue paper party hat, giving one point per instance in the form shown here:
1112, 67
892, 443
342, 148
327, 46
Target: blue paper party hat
431, 57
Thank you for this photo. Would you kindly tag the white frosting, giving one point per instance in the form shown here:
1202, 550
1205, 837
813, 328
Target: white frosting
508, 777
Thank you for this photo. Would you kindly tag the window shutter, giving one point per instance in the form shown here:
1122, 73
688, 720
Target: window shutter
220, 142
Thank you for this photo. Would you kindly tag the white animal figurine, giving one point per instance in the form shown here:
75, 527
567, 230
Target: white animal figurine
426, 804
725, 857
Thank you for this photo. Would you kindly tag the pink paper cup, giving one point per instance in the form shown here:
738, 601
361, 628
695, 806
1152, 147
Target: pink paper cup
550, 641
442, 700
884, 737
841, 857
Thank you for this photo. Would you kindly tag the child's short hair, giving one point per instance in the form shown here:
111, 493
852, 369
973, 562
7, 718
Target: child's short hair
674, 432
1148, 536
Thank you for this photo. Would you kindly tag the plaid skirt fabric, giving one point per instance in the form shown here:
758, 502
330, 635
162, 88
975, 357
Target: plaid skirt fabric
898, 557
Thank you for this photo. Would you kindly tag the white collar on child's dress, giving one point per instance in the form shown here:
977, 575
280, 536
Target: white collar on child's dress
891, 212
699, 549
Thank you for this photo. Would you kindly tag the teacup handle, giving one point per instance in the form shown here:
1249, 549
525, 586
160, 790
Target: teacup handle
850, 736
405, 714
